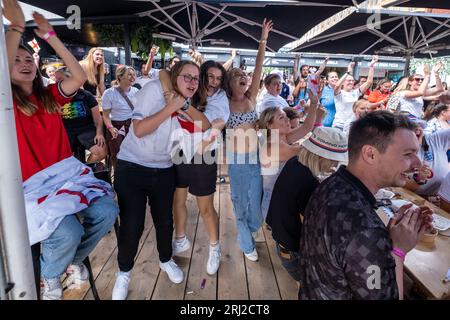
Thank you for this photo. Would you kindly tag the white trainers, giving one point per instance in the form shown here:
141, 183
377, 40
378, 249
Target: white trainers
174, 272
214, 259
180, 245
51, 289
252, 256
76, 275
120, 290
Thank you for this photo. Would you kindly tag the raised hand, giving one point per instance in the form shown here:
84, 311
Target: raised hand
350, 67
426, 69
233, 53
437, 67
43, 26
267, 26
13, 12
374, 61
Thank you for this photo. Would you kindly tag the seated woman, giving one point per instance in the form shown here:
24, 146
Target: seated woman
56, 185
317, 158
433, 154
83, 122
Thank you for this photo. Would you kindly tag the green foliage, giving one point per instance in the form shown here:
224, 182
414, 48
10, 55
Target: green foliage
110, 35
417, 64
141, 38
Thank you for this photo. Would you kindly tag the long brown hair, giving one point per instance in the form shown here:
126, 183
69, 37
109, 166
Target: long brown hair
176, 70
39, 90
199, 100
91, 71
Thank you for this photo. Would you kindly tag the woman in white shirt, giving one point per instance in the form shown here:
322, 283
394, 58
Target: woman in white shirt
117, 108
412, 93
196, 168
145, 172
345, 96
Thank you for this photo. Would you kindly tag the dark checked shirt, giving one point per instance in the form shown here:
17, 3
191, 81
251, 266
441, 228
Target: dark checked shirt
344, 246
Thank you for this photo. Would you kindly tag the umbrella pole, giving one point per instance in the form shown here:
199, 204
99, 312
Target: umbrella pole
16, 250
407, 64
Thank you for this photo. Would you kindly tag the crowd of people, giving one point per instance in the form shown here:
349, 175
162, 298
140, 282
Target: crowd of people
306, 157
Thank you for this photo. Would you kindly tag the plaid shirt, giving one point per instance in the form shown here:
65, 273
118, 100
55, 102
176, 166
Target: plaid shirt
345, 249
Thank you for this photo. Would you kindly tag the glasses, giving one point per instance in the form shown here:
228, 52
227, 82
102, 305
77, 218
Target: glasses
188, 78
418, 79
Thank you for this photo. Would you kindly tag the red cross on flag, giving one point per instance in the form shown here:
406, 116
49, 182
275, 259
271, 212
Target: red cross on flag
33, 44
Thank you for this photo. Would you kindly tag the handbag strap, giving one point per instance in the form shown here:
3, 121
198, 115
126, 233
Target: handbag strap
130, 104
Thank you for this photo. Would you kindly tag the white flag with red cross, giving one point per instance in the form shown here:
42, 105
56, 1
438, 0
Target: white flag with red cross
34, 45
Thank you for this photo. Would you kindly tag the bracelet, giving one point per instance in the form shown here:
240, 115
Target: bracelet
399, 253
109, 126
48, 35
263, 41
15, 30
22, 28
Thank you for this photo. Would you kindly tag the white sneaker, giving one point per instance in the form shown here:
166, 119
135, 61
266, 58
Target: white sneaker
252, 256
77, 274
174, 272
213, 260
181, 245
51, 289
120, 290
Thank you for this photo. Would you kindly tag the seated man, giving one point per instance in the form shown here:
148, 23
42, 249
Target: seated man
346, 250
83, 122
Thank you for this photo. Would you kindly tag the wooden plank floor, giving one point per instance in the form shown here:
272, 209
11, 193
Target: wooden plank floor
237, 278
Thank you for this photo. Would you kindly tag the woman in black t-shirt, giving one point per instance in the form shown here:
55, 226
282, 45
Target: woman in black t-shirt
318, 157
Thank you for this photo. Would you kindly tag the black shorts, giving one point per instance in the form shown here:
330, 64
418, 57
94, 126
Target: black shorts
200, 178
83, 135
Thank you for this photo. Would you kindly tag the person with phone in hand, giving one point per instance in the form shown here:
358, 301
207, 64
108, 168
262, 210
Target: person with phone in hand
148, 73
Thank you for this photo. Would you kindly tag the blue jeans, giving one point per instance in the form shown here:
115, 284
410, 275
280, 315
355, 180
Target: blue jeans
246, 195
72, 241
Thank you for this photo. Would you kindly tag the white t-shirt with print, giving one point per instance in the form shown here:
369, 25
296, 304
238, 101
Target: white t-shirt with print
444, 191
344, 106
113, 100
153, 150
439, 143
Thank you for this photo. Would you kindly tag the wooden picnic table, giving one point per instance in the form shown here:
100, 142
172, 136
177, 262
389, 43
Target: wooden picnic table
426, 266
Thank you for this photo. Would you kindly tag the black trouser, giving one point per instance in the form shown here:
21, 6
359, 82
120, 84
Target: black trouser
135, 184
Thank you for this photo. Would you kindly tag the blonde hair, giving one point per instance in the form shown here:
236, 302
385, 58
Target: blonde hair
266, 118
91, 70
41, 93
120, 72
358, 103
403, 84
319, 166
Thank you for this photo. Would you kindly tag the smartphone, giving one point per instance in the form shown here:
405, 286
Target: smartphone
313, 84
155, 48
